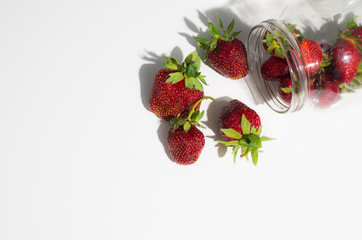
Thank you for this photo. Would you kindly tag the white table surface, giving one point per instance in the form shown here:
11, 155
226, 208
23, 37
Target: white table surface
82, 157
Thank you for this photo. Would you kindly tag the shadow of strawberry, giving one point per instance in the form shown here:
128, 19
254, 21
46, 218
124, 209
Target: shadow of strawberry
213, 113
154, 62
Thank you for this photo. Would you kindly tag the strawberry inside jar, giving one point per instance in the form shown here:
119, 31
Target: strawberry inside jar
296, 63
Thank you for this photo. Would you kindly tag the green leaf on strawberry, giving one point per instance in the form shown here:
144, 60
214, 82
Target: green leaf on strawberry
229, 28
175, 77
231, 133
249, 141
245, 125
202, 79
353, 23
254, 156
171, 63
357, 82
187, 126
255, 141
227, 35
188, 70
253, 130
287, 89
235, 152
214, 31
197, 85
276, 44
193, 117
358, 79
265, 138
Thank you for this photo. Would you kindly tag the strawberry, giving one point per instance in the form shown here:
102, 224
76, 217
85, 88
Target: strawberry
326, 48
186, 143
326, 89
274, 68
329, 77
286, 89
226, 54
272, 42
346, 58
354, 28
329, 94
230, 116
241, 127
346, 55
177, 87
357, 31
312, 54
185, 147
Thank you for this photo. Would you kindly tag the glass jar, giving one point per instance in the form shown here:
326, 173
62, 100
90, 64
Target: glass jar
294, 61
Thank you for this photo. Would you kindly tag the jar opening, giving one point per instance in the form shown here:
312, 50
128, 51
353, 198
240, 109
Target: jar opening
269, 91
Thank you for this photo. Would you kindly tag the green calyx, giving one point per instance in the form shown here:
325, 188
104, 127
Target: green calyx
357, 81
274, 46
193, 117
348, 34
227, 35
287, 89
353, 23
356, 41
249, 142
326, 61
188, 71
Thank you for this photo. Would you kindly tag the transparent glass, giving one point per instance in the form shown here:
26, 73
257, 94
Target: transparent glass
318, 20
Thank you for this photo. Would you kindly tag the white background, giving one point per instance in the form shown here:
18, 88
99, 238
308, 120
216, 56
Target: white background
82, 157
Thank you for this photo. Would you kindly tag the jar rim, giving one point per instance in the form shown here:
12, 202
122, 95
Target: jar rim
294, 58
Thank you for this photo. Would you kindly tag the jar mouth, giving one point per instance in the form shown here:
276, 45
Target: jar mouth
269, 90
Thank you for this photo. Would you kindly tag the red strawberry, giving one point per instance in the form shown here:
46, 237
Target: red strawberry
274, 68
346, 57
227, 54
329, 77
357, 31
354, 28
176, 88
241, 127
347, 54
286, 89
326, 90
326, 48
329, 94
186, 143
272, 42
230, 117
312, 54
185, 147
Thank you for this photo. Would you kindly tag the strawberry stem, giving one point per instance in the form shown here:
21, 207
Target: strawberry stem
195, 105
245, 153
